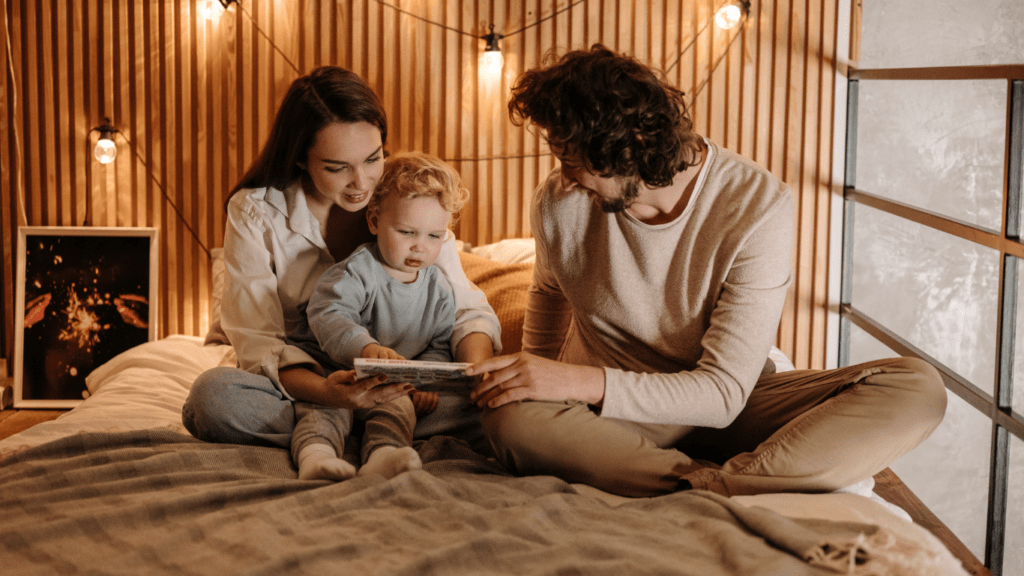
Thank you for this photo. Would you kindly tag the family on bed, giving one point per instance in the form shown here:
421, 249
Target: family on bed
662, 266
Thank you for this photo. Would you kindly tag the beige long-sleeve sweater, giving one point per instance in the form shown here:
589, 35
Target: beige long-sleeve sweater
681, 315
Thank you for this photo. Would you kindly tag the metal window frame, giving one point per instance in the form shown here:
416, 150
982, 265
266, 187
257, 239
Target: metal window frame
999, 406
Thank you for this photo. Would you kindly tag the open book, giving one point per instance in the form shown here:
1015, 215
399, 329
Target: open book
416, 372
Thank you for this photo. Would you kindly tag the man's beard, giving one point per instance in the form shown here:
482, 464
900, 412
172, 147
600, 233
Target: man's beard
628, 194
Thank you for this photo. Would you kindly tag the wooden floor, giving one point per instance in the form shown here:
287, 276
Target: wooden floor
887, 485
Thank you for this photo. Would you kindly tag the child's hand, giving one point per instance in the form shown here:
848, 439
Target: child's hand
379, 352
424, 402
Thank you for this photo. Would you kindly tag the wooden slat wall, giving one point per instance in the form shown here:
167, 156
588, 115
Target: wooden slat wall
194, 98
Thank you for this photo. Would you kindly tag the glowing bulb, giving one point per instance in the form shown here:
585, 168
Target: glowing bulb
491, 62
728, 16
208, 10
105, 150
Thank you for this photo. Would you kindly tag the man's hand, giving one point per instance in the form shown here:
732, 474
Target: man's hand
344, 391
523, 376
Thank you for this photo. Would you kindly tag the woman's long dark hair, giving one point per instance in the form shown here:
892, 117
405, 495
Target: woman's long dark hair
328, 94
611, 112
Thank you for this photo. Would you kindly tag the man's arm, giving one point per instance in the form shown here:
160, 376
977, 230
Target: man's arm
548, 312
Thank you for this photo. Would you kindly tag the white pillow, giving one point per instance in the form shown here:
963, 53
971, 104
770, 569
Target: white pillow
509, 251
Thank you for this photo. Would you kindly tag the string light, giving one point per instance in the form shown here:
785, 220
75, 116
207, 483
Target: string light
492, 61
209, 9
729, 16
105, 150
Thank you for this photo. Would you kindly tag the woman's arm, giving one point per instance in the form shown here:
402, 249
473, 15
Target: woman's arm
473, 315
251, 311
474, 348
340, 389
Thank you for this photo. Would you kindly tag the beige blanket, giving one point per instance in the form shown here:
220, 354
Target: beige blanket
158, 502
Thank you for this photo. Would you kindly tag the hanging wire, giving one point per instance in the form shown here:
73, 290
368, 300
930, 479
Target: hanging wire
14, 125
553, 14
456, 30
739, 31
694, 39
264, 34
422, 19
163, 193
483, 158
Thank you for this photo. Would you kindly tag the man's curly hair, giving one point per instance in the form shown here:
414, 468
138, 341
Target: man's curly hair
610, 112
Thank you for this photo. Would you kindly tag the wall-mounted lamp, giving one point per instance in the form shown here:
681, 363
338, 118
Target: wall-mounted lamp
105, 150
729, 16
491, 61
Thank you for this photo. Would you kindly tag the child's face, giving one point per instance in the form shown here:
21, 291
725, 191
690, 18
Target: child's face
410, 232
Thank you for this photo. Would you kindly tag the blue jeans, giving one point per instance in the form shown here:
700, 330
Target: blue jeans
232, 406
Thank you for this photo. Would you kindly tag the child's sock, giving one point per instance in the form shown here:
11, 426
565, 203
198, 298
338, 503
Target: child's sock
390, 461
320, 462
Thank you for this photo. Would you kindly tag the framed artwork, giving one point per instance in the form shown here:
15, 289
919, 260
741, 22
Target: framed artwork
84, 295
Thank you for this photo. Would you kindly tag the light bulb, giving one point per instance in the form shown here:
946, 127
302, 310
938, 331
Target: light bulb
208, 10
491, 62
105, 150
728, 16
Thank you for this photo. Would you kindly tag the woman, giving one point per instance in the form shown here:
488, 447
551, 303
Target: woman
300, 208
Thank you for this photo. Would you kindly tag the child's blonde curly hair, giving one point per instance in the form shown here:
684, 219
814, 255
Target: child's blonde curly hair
415, 174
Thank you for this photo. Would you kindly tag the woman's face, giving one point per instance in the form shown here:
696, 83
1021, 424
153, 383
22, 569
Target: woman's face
344, 164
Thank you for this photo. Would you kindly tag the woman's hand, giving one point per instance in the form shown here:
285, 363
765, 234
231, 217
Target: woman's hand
342, 390
523, 376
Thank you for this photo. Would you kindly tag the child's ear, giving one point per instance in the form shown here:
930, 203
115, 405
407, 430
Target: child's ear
371, 219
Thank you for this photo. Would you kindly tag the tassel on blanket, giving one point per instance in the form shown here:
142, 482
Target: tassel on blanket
881, 554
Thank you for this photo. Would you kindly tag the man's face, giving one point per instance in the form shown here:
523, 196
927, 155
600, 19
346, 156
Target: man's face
612, 193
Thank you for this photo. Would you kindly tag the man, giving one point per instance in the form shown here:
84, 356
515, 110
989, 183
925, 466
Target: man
662, 268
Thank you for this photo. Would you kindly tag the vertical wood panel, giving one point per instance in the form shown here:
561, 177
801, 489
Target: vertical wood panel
194, 99
9, 190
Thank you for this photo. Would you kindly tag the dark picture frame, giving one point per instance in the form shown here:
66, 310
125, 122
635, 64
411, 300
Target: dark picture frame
84, 295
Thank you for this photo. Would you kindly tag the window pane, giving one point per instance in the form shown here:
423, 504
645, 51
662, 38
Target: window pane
935, 290
902, 33
865, 348
937, 145
949, 472
1013, 557
1018, 346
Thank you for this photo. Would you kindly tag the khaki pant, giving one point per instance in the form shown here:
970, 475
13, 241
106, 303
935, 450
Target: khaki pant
800, 431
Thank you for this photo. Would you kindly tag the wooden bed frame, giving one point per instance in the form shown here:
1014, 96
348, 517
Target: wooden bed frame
887, 485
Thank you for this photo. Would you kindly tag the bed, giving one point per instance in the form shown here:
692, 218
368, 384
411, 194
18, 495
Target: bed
117, 486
